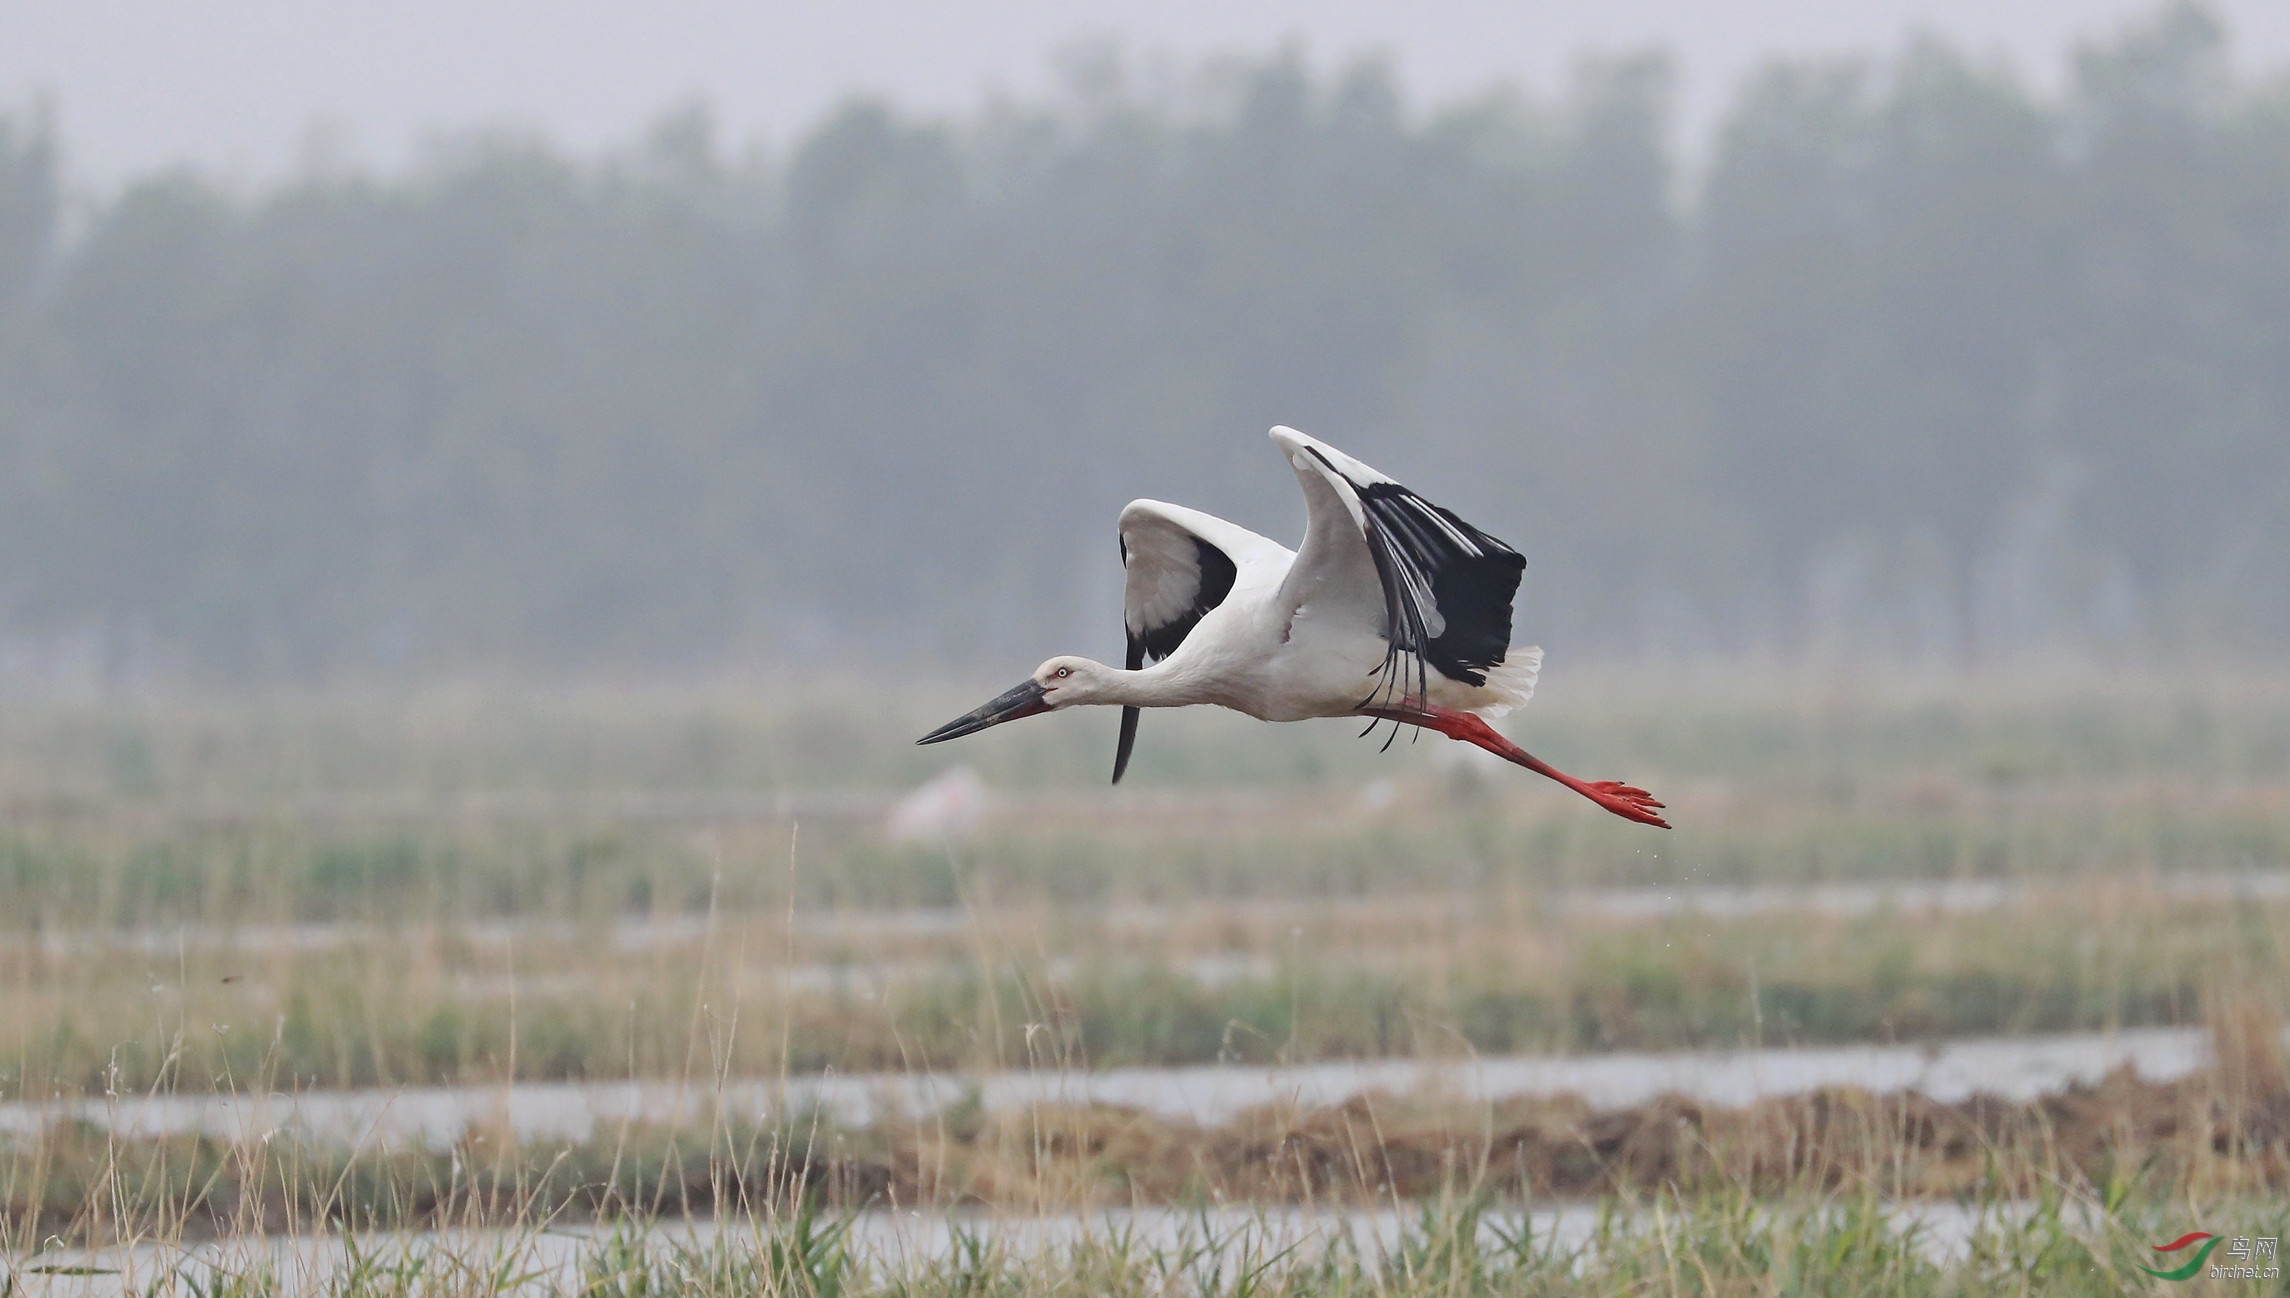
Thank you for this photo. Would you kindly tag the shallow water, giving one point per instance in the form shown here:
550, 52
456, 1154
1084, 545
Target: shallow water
1902, 896
2013, 1068
649, 933
895, 1241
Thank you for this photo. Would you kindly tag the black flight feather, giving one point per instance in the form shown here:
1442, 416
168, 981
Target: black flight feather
1157, 642
1434, 567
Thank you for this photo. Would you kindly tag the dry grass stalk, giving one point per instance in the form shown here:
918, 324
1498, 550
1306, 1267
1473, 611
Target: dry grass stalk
1373, 1150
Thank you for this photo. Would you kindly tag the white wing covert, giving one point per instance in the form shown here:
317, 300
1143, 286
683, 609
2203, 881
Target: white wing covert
1179, 564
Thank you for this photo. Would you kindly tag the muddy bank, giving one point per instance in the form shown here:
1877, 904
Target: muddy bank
434, 1118
2209, 1131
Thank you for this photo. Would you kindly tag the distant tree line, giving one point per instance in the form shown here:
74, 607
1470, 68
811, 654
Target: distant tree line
1916, 363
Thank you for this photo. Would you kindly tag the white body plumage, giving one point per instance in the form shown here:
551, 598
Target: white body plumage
1392, 609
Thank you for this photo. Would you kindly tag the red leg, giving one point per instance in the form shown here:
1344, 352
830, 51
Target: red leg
1617, 797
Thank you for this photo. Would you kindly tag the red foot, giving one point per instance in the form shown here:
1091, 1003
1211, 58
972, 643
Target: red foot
1621, 799
1625, 801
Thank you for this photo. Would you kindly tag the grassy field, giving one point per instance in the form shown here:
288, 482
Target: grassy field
434, 1002
2069, 1193
270, 810
455, 886
1460, 1241
1460, 1248
289, 893
2219, 1132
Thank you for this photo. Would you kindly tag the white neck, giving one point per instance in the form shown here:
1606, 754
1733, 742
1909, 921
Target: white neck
1153, 687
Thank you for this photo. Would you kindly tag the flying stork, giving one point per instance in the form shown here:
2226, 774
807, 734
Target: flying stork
1394, 610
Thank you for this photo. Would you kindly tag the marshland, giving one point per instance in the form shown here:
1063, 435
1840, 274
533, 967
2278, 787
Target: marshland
585, 961
466, 612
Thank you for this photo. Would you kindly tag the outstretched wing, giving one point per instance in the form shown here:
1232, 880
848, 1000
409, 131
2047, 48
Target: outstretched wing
1446, 586
1180, 563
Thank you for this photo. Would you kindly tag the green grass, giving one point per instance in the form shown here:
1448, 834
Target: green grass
481, 849
499, 803
1459, 1249
429, 1002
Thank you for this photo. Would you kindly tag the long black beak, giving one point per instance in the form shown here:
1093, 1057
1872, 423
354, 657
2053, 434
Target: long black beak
1023, 701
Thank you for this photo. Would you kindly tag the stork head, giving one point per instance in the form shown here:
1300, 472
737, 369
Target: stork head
1058, 683
1068, 680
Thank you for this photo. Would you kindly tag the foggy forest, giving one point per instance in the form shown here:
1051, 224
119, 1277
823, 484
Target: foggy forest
1902, 361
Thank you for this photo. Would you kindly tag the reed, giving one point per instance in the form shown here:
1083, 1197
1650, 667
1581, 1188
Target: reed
2213, 1135
2033, 1225
289, 894
426, 1001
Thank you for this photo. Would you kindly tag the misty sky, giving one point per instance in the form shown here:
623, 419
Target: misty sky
240, 87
